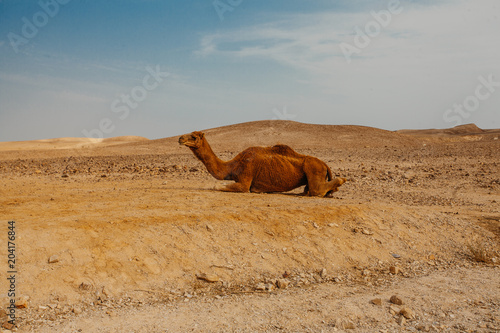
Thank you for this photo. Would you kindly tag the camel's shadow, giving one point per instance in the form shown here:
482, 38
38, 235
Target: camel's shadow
296, 193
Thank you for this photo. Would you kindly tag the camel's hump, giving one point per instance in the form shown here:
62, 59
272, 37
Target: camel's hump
283, 150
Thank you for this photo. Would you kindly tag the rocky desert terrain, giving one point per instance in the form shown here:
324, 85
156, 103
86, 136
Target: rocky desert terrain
129, 235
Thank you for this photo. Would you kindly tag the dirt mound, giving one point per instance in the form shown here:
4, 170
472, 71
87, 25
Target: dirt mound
468, 129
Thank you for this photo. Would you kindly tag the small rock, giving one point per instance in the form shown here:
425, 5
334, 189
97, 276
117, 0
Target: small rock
432, 257
22, 302
407, 313
322, 273
260, 286
42, 307
367, 232
395, 270
402, 321
106, 292
270, 286
282, 283
64, 175
396, 300
209, 227
344, 324
53, 259
8, 326
76, 310
376, 301
395, 255
86, 285
38, 171
423, 328
394, 309
208, 277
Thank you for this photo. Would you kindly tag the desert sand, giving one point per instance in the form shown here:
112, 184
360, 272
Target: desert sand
129, 235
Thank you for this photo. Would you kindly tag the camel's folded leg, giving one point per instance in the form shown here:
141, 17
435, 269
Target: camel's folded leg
236, 187
326, 189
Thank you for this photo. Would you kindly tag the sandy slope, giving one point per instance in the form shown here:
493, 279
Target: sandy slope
131, 226
66, 143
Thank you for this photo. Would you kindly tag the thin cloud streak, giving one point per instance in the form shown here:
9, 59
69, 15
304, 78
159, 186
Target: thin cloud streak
423, 61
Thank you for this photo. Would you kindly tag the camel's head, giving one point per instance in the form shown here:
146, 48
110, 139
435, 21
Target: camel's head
192, 140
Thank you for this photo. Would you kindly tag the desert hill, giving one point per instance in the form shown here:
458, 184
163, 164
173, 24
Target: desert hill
461, 130
239, 136
297, 135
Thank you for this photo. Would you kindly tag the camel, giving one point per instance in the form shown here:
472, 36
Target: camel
265, 169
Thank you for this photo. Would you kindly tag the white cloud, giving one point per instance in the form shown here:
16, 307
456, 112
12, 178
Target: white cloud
463, 30
426, 58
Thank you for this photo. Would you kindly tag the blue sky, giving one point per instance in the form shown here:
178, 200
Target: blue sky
154, 68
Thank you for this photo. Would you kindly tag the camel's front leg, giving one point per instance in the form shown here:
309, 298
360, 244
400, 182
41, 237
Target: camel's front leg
236, 187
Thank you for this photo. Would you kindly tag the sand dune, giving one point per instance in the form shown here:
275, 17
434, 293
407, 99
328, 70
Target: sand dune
67, 143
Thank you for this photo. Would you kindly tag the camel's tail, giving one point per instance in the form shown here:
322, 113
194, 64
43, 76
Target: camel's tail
328, 173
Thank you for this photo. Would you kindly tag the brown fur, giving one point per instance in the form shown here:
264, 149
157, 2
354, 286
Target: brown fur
265, 169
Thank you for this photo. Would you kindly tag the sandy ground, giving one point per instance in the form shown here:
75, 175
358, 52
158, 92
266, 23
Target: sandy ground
132, 237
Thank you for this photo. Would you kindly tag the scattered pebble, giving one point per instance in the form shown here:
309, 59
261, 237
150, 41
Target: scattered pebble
53, 259
396, 300
282, 283
395, 270
394, 309
344, 324
22, 302
260, 286
208, 277
407, 313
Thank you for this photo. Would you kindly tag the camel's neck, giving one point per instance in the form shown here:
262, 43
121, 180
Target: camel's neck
214, 165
